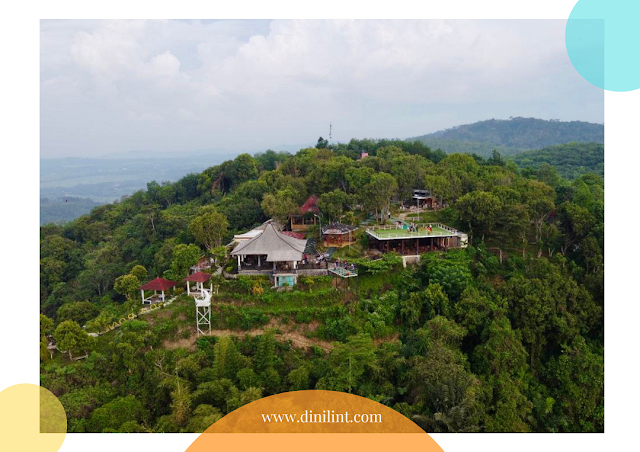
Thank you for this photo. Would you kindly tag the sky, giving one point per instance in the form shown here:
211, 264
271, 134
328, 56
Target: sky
109, 87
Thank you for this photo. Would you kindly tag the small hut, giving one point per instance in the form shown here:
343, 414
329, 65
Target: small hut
338, 235
157, 285
306, 216
199, 278
424, 199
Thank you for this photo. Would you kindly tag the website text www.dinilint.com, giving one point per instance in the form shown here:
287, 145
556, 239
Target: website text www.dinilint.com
325, 417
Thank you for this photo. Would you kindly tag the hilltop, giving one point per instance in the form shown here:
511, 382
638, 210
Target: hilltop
511, 136
503, 334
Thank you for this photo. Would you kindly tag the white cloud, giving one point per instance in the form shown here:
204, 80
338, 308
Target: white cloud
252, 85
164, 65
111, 51
185, 115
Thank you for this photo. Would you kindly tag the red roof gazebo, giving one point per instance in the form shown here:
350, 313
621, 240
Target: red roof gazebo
158, 284
199, 278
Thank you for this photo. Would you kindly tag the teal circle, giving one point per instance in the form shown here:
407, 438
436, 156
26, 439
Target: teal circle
603, 42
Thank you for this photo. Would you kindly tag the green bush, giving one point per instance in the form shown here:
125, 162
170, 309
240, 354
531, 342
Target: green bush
166, 329
304, 316
339, 329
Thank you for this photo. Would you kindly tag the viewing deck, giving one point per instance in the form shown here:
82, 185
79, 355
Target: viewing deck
343, 272
395, 232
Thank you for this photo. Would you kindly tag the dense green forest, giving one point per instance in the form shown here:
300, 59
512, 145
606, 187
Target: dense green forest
505, 335
512, 136
571, 160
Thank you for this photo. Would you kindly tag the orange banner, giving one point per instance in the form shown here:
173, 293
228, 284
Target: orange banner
313, 412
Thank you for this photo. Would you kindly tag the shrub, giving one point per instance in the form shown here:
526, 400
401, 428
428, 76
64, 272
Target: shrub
339, 329
304, 316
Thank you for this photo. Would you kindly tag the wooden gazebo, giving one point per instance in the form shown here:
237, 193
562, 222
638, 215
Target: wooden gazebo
338, 234
157, 285
199, 278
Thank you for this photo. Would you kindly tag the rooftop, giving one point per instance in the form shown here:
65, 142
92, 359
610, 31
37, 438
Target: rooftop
158, 284
277, 246
338, 228
310, 205
250, 234
391, 232
198, 277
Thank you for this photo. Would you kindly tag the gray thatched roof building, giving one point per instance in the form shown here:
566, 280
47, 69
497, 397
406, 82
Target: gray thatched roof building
276, 246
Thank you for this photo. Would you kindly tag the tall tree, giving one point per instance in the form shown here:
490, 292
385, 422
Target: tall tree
348, 362
226, 362
409, 171
503, 361
381, 189
279, 205
180, 403
71, 338
139, 272
539, 197
333, 204
576, 377
576, 222
209, 228
184, 256
439, 379
479, 209
127, 285
357, 179
511, 226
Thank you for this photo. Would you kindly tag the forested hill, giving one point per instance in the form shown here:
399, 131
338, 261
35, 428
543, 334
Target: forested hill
511, 136
506, 335
570, 160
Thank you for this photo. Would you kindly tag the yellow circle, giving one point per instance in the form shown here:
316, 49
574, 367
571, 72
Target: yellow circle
31, 419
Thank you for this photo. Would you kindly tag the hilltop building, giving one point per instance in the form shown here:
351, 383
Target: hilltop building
307, 215
424, 199
253, 233
273, 253
413, 241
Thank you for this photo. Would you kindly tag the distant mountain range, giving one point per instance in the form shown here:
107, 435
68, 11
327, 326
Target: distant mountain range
512, 136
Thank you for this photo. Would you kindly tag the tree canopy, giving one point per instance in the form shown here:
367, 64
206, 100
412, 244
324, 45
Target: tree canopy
505, 335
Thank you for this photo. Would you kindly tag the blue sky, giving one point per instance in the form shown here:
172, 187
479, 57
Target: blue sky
167, 86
